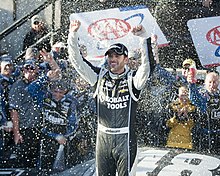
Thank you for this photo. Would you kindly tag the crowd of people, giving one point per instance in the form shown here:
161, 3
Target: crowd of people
44, 108
187, 108
48, 109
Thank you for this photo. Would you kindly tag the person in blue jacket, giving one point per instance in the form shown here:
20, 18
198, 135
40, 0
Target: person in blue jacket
25, 109
5, 123
207, 99
60, 122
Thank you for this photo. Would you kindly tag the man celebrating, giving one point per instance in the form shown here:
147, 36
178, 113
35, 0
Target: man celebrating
117, 93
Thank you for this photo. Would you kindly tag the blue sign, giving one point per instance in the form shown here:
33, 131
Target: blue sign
217, 52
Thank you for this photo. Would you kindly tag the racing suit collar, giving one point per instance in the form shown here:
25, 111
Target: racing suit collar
118, 76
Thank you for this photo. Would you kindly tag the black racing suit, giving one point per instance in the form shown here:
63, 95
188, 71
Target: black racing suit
116, 147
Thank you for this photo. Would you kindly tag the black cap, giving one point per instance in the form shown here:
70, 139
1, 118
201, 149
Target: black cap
117, 48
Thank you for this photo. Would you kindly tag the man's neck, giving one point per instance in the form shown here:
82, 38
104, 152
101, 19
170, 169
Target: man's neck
118, 75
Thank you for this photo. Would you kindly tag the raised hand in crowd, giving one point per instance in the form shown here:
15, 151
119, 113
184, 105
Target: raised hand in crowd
190, 77
74, 25
55, 72
47, 57
183, 112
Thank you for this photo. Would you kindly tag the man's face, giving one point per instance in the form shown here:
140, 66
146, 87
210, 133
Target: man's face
37, 25
30, 72
211, 82
185, 70
58, 94
117, 62
7, 70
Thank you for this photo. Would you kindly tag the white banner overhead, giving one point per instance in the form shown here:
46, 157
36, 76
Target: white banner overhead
205, 33
101, 28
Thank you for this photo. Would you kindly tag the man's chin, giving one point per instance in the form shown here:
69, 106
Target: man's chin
113, 69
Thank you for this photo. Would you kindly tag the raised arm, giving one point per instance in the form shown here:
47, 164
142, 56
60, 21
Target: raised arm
85, 71
196, 96
55, 72
143, 71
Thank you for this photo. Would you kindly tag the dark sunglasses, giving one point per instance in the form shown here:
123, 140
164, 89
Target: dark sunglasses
186, 67
36, 22
29, 67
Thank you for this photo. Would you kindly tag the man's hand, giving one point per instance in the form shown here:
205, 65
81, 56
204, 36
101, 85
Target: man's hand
207, 3
18, 138
61, 139
54, 74
74, 25
154, 38
190, 77
47, 57
139, 31
82, 147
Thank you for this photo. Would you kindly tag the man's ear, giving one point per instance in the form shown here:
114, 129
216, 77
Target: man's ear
126, 59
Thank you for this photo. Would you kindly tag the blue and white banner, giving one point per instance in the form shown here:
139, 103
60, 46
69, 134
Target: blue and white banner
101, 28
205, 33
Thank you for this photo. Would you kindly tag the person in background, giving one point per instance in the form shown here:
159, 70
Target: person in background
34, 54
57, 49
183, 114
60, 123
38, 30
161, 90
25, 110
207, 99
59, 55
6, 80
167, 78
134, 59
